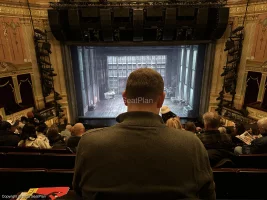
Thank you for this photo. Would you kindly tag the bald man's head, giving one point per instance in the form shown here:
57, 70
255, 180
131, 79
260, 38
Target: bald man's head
78, 129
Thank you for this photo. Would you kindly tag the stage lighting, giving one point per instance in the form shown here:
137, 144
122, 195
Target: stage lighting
47, 46
229, 45
44, 62
239, 28
233, 60
40, 32
43, 53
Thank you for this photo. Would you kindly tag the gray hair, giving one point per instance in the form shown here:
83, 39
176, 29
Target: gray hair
212, 120
222, 130
262, 125
68, 127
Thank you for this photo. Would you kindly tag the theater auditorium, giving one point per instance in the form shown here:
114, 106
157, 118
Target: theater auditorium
133, 99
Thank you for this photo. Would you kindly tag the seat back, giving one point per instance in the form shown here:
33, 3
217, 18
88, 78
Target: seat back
38, 160
17, 180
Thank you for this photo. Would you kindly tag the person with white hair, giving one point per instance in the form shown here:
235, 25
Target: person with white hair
222, 130
212, 138
67, 132
259, 145
77, 131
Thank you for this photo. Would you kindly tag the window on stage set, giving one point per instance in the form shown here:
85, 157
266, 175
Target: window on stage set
120, 67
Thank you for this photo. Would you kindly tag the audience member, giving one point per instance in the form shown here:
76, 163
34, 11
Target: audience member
222, 130
41, 130
174, 122
35, 119
14, 125
7, 137
29, 138
78, 131
166, 113
212, 138
55, 139
140, 157
24, 120
218, 145
258, 145
67, 132
190, 126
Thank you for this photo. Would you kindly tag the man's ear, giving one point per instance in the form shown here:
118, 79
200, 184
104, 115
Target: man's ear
161, 100
124, 98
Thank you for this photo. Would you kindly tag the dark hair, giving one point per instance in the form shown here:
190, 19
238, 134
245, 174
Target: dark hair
53, 135
42, 128
167, 116
145, 83
24, 119
28, 131
240, 128
5, 126
190, 126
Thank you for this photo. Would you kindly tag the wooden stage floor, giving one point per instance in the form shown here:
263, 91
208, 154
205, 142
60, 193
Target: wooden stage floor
111, 108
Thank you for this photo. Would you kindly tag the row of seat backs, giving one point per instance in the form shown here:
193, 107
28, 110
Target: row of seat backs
37, 160
230, 183
5, 149
67, 161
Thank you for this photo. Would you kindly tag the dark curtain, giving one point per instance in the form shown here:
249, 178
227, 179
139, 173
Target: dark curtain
7, 99
253, 81
25, 87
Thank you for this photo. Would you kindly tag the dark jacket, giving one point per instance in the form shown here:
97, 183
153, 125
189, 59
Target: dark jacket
7, 138
259, 145
73, 142
215, 140
59, 144
141, 158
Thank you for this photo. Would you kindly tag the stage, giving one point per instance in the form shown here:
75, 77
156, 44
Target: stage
111, 108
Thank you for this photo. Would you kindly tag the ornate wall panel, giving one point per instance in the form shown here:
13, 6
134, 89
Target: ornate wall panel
259, 50
11, 41
254, 25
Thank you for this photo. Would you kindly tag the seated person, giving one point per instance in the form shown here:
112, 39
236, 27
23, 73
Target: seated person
258, 145
174, 122
190, 126
67, 132
55, 139
77, 131
29, 138
41, 130
166, 114
222, 130
7, 137
212, 138
218, 145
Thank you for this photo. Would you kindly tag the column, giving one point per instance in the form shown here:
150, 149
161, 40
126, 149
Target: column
243, 90
16, 89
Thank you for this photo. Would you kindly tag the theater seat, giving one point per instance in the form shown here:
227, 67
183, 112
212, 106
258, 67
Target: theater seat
38, 160
23, 149
225, 180
17, 180
60, 177
251, 161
